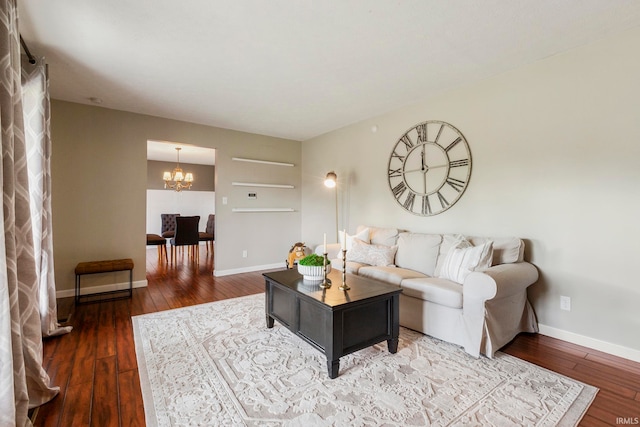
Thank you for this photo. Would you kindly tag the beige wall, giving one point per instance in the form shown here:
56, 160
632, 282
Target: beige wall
556, 161
99, 175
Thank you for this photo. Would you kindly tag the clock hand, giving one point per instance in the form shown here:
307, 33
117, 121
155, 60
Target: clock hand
414, 170
436, 167
425, 181
425, 169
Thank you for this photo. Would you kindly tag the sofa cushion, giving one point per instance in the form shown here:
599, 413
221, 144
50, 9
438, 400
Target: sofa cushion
417, 251
352, 267
464, 258
393, 275
433, 289
381, 236
360, 235
378, 255
506, 250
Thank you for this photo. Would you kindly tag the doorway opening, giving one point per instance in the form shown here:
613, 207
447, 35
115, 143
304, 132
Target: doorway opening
166, 199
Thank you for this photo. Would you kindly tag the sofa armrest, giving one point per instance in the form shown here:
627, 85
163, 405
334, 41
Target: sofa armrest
333, 249
500, 281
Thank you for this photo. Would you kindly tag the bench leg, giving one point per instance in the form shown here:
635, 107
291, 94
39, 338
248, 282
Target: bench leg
77, 288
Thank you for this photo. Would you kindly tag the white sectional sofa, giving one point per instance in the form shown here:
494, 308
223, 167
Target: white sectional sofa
470, 291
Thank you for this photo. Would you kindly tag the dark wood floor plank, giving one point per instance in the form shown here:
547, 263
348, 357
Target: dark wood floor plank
622, 407
59, 373
96, 367
131, 406
628, 380
589, 421
77, 406
85, 352
614, 362
104, 408
124, 338
106, 345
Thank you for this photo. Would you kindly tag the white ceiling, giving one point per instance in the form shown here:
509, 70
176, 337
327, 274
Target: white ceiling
296, 68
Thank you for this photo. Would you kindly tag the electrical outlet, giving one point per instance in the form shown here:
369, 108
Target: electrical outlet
224, 200
565, 303
244, 253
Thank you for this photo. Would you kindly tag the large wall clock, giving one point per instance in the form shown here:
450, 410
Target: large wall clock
429, 168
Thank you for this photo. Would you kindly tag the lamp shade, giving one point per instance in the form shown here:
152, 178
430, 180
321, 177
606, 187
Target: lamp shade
331, 179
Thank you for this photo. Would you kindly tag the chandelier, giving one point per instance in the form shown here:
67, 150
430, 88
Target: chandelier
177, 180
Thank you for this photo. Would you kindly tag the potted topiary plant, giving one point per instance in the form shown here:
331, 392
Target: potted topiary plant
311, 267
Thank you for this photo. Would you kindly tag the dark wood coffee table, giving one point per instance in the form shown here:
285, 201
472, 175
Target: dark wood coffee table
333, 321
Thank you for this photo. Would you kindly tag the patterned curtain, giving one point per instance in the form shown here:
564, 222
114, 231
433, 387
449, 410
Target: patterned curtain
23, 381
37, 132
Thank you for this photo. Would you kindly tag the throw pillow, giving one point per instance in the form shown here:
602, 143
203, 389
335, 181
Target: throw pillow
378, 255
463, 258
360, 235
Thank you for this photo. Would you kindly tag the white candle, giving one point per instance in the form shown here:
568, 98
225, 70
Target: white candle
324, 246
344, 239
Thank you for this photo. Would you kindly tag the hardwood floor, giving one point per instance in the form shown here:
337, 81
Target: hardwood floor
96, 370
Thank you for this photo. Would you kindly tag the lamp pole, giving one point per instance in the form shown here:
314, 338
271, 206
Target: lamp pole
331, 181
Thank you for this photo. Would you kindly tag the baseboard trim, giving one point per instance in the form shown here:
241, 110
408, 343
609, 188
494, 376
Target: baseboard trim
607, 347
66, 293
220, 273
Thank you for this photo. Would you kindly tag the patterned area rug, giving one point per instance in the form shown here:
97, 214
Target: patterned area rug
217, 364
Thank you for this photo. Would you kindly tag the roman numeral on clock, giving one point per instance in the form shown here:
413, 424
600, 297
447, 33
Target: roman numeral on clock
408, 204
426, 206
453, 144
397, 156
393, 173
399, 189
407, 141
456, 184
458, 163
422, 132
443, 202
439, 133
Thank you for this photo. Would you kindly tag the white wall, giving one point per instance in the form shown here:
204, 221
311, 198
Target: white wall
186, 203
556, 161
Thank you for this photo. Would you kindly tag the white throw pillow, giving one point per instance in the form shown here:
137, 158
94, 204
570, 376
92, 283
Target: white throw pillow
378, 255
361, 235
463, 258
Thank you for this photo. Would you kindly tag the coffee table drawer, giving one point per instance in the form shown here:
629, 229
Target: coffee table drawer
366, 324
312, 324
283, 306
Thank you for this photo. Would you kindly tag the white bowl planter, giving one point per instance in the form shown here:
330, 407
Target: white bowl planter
312, 272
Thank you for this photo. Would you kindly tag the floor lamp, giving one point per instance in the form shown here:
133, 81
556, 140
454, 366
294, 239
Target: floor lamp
331, 181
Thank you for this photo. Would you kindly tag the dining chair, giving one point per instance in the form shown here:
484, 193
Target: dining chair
186, 234
208, 236
161, 243
168, 225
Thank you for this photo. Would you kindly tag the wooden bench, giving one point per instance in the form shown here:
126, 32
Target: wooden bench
95, 267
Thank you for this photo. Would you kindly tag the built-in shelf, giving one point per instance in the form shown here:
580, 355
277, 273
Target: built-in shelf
257, 184
266, 162
262, 210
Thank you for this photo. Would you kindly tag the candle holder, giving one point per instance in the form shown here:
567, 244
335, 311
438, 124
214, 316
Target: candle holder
344, 286
326, 283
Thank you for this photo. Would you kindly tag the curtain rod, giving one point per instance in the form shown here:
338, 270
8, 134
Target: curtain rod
32, 59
